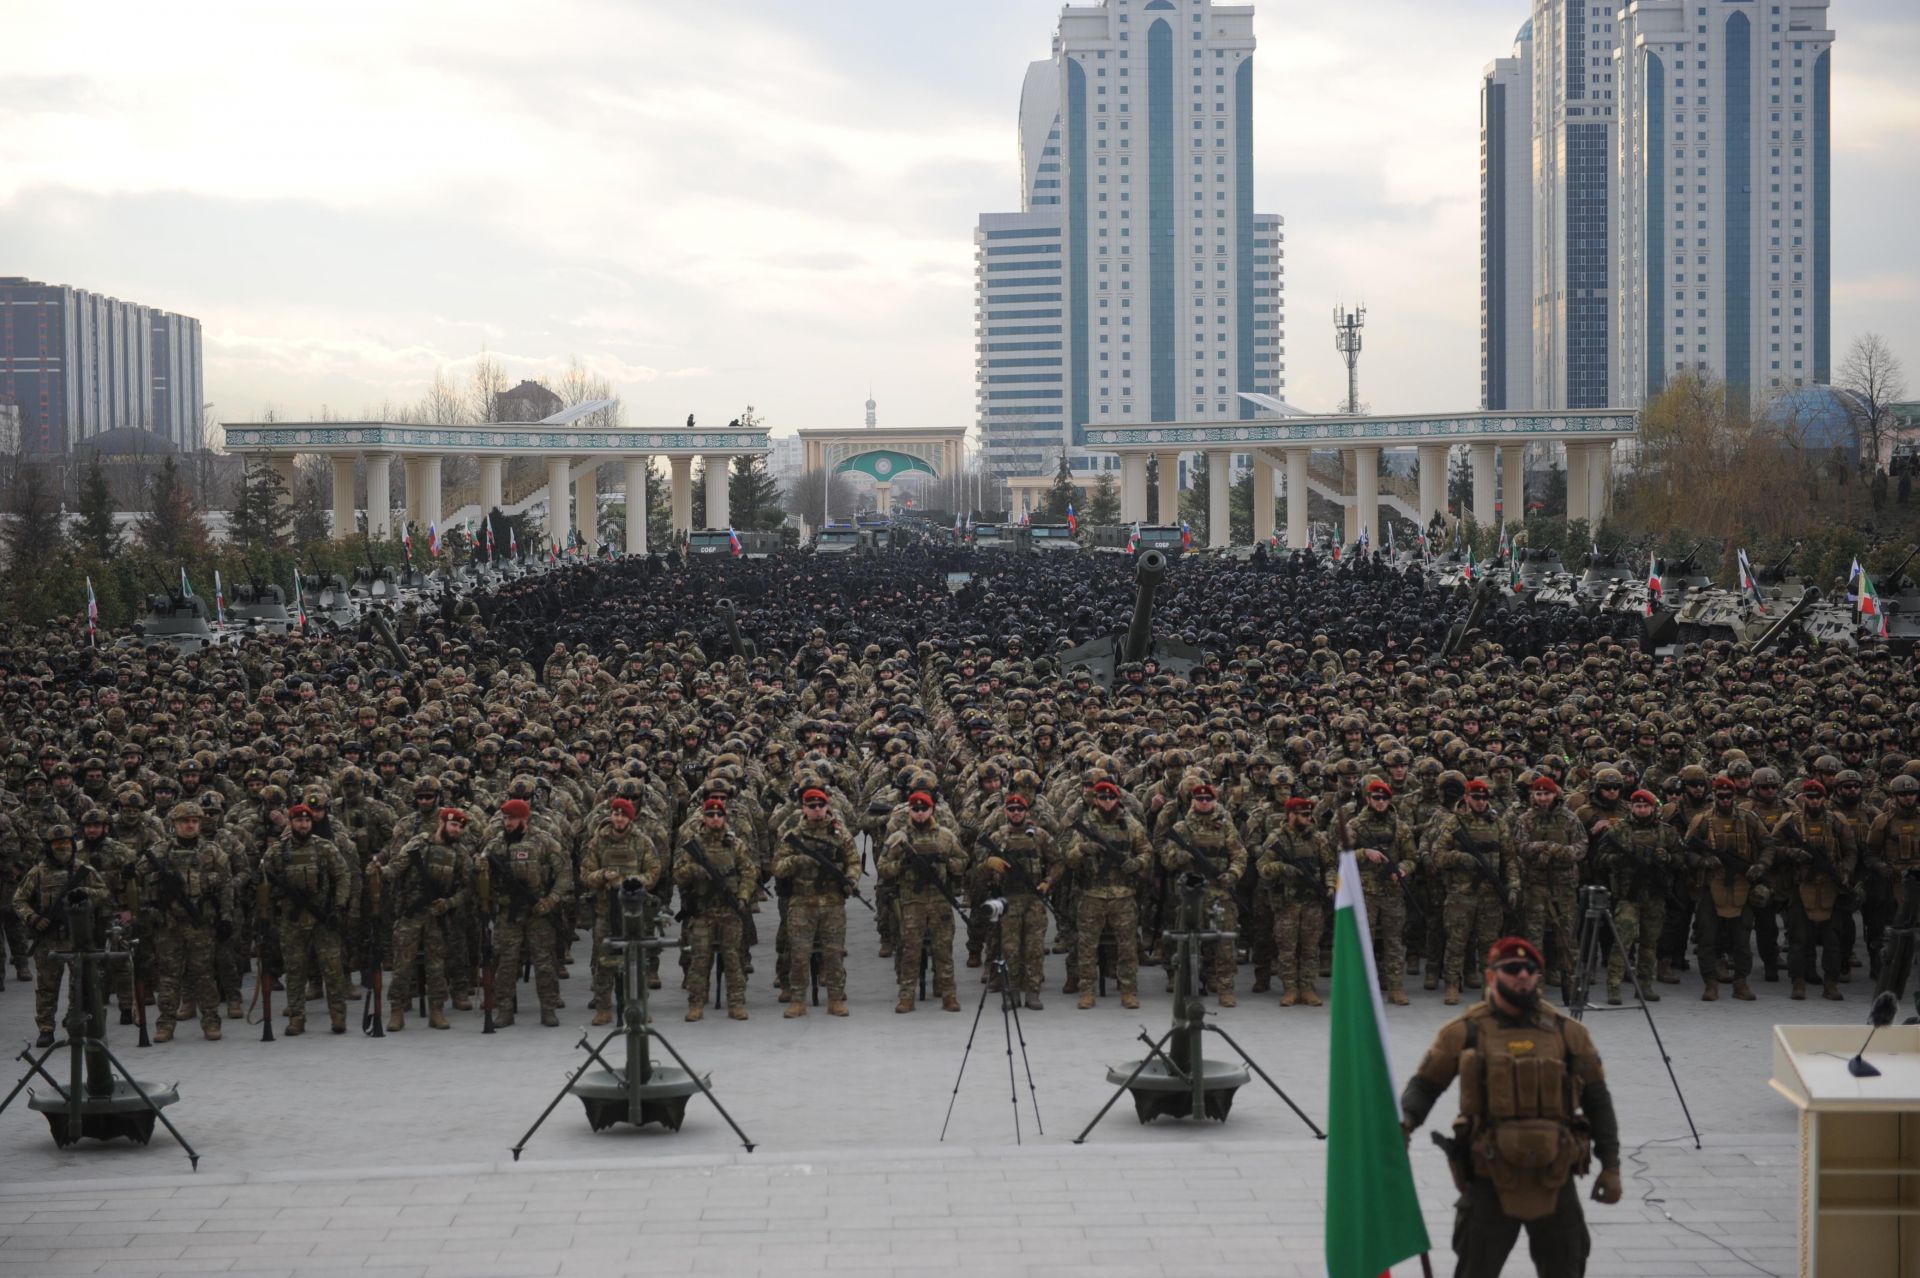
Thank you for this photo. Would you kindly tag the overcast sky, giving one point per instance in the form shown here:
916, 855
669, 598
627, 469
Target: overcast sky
757, 201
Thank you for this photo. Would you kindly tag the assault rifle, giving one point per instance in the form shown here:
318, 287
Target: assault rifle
1482, 862
720, 881
301, 898
370, 1023
925, 872
264, 982
1108, 854
1822, 861
1303, 866
1732, 865
173, 886
808, 848
986, 845
487, 957
1207, 863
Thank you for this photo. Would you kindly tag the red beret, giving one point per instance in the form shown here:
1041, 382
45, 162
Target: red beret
1547, 783
920, 796
459, 814
623, 806
714, 804
1479, 786
299, 809
812, 793
516, 808
1106, 788
1643, 795
1722, 781
1202, 791
1810, 786
1299, 804
1378, 785
1510, 947
1016, 800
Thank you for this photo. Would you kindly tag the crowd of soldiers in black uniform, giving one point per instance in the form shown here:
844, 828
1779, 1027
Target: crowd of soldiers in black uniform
335, 806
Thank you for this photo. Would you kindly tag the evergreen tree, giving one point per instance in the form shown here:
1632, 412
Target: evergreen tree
753, 495
310, 521
171, 528
698, 479
97, 532
1196, 504
1103, 503
1153, 491
1063, 492
1240, 508
34, 545
259, 521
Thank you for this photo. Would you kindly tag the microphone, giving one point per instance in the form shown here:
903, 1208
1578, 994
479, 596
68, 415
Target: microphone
1885, 1005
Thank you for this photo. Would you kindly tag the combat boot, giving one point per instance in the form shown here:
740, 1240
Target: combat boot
461, 1003
212, 1032
235, 1012
1799, 991
46, 1039
398, 1021
1771, 973
1128, 1000
1613, 994
337, 1021
1071, 985
696, 1012
549, 1018
1308, 997
794, 1009
1431, 981
1453, 996
1711, 993
1397, 997
437, 1017
1666, 975
973, 956
603, 1017
1032, 1003
503, 1019
1086, 1001
836, 1007
949, 1003
736, 1013
1227, 999
1832, 991
1649, 993
1262, 982
886, 949
296, 1025
1743, 991
905, 1004
161, 1034
1289, 998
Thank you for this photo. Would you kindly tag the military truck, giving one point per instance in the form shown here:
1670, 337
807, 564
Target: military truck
1050, 539
837, 539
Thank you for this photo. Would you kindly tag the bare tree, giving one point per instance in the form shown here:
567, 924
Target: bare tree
442, 405
578, 384
1873, 372
484, 387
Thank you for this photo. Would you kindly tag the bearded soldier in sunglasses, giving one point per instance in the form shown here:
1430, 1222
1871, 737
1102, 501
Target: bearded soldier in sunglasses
1534, 1111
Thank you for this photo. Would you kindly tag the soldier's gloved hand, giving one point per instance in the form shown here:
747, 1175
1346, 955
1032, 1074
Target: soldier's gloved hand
439, 907
997, 864
1228, 881
1756, 873
1606, 1186
543, 907
43, 924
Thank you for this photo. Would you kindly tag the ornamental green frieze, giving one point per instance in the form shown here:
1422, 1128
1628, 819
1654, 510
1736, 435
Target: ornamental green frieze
1383, 430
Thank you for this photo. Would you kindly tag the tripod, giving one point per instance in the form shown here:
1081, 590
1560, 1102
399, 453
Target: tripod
1597, 932
1009, 1023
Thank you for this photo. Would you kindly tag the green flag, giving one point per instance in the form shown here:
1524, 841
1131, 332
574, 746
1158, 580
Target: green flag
1373, 1214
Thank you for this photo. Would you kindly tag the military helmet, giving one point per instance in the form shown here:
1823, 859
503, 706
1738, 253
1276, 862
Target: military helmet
61, 833
95, 815
1693, 774
1765, 776
1608, 776
1904, 784
186, 812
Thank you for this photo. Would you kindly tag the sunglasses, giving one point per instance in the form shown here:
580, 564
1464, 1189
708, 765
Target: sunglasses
813, 803
920, 807
1518, 967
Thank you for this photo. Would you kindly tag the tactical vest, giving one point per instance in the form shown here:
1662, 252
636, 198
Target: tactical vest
924, 864
520, 861
709, 896
302, 868
1819, 890
1729, 833
1382, 833
435, 868
195, 883
1295, 851
1519, 1105
1021, 847
1104, 850
1636, 872
1900, 846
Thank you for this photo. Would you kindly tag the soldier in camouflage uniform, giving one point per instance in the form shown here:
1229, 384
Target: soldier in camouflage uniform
1473, 850
1205, 842
1023, 864
185, 902
42, 903
924, 860
427, 880
1383, 847
1297, 869
1890, 851
530, 878
309, 883
1108, 849
617, 851
1552, 843
716, 908
15, 860
1733, 853
1823, 851
1636, 860
114, 860
812, 859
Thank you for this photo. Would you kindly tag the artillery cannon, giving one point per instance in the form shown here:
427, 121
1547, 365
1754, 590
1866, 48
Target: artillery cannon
1102, 657
743, 647
1483, 596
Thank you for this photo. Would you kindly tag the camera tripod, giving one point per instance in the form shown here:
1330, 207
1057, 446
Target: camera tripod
1009, 1023
1597, 933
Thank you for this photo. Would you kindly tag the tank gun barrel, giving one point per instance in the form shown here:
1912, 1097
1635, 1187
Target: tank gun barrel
1893, 578
1778, 628
1147, 575
742, 646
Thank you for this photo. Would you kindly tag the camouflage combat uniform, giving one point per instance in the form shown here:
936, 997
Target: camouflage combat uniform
817, 904
1297, 870
921, 860
310, 881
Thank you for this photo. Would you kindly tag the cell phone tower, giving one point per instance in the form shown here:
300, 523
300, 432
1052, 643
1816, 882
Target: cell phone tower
1346, 339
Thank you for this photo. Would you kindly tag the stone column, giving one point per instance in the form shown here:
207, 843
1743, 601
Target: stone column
1577, 495
586, 509
559, 500
430, 492
1599, 480
680, 474
490, 470
1366, 493
282, 464
1133, 487
718, 516
1483, 489
1433, 481
411, 490
1513, 483
1169, 488
1219, 507
344, 524
1262, 501
379, 501
1297, 498
636, 505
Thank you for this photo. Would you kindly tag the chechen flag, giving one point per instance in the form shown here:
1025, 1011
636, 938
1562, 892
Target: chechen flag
1654, 588
1373, 1213
1870, 601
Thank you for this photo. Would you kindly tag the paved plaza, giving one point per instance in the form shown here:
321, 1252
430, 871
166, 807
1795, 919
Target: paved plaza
328, 1154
